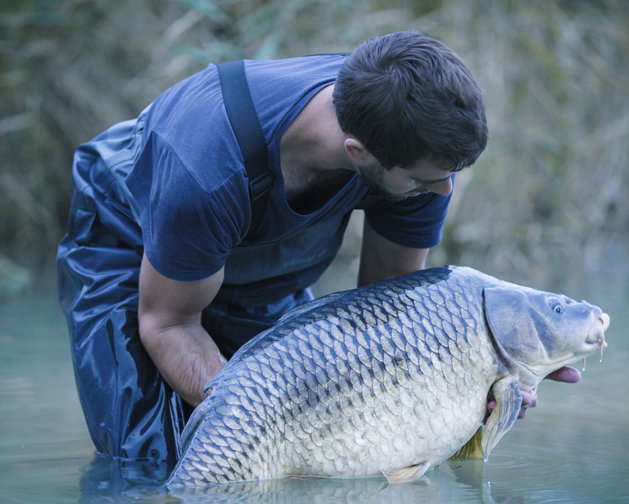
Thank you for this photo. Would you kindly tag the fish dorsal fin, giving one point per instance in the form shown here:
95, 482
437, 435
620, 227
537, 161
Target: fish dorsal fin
508, 402
406, 474
311, 305
472, 450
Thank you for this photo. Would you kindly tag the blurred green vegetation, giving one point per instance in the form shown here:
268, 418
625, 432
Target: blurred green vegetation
551, 187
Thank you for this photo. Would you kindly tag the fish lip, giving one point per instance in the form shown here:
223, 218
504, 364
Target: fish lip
599, 329
596, 340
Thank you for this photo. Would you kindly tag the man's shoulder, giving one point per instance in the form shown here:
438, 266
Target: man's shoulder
277, 77
281, 88
306, 63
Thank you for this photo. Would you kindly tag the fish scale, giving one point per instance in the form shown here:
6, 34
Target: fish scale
389, 378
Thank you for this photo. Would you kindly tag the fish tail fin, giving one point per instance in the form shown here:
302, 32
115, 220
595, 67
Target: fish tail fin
472, 450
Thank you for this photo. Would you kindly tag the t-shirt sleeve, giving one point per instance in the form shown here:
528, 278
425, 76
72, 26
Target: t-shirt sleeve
187, 232
414, 222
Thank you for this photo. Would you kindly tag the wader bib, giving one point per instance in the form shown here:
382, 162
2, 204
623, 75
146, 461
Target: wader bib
131, 412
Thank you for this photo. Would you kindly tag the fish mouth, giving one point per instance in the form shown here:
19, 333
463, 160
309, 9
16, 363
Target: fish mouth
597, 338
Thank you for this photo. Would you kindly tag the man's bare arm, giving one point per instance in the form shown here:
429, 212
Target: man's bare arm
381, 259
170, 329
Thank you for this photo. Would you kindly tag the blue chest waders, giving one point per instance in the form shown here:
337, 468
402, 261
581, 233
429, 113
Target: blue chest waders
131, 412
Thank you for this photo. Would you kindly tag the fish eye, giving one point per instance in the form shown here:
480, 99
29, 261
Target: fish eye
555, 304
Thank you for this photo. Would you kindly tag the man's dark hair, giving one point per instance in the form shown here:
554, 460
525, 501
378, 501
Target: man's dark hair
406, 97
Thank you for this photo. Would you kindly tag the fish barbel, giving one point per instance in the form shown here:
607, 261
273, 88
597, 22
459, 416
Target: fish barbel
392, 379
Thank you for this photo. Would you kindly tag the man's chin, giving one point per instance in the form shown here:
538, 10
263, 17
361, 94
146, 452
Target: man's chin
377, 191
396, 197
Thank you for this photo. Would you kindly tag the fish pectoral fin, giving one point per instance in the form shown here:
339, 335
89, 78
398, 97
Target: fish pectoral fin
508, 403
406, 474
472, 450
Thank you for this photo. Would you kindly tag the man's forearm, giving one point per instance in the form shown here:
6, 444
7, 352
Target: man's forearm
169, 314
186, 357
381, 259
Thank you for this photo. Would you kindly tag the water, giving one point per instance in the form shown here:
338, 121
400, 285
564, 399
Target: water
572, 448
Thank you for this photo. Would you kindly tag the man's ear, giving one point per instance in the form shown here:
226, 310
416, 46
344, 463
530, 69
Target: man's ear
357, 151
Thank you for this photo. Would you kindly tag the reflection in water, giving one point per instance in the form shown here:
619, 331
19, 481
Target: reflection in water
105, 480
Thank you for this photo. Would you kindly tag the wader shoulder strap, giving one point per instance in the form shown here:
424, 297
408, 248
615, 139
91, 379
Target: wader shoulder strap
246, 125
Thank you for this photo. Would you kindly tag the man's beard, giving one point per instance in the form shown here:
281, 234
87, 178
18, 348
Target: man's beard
373, 176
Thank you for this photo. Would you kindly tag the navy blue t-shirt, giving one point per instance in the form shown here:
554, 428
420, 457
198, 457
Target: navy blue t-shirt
191, 187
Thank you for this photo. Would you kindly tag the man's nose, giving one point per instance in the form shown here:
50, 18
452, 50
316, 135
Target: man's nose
444, 187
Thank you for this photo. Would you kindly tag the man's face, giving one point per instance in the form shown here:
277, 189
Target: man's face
398, 183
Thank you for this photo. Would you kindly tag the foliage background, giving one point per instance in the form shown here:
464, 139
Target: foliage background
550, 189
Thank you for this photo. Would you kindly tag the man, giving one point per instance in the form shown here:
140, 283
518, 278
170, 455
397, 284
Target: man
161, 276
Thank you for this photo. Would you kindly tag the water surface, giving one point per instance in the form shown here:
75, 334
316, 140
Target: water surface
572, 448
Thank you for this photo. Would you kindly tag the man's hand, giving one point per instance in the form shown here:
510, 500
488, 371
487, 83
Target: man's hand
565, 374
169, 315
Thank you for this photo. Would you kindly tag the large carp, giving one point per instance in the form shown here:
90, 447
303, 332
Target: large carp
390, 378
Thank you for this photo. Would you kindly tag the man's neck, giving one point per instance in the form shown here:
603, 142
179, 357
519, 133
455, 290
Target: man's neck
313, 158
